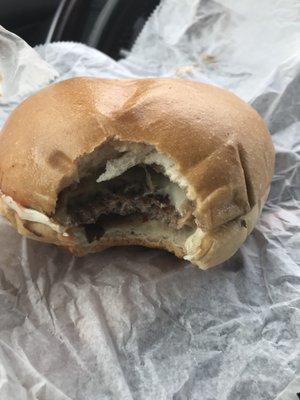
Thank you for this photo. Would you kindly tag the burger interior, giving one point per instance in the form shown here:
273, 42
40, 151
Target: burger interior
120, 184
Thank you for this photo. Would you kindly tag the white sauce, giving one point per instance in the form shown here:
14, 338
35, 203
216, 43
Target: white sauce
32, 215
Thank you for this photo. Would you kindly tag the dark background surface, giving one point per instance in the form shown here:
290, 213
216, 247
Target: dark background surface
108, 25
29, 19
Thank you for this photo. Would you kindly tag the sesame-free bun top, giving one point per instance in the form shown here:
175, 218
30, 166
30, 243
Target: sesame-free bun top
220, 145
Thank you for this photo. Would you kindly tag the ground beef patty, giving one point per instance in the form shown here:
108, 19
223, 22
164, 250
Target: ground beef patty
151, 206
137, 192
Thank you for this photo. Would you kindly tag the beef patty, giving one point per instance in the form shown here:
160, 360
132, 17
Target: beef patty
136, 192
151, 206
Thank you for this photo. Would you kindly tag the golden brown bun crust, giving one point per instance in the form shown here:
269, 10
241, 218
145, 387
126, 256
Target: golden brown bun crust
219, 143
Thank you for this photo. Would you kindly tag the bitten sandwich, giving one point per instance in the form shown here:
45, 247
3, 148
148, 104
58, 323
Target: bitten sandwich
90, 163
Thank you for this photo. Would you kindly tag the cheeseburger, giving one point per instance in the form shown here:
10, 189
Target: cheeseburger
90, 163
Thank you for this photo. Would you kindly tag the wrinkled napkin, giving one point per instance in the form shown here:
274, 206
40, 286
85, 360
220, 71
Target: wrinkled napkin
135, 323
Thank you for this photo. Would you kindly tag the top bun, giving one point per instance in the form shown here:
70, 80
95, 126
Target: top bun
220, 148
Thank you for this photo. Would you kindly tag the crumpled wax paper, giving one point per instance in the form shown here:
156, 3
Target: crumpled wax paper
134, 323
16, 71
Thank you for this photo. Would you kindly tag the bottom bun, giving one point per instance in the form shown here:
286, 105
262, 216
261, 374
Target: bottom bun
203, 248
134, 232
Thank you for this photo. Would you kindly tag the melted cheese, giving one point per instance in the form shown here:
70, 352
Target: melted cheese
176, 195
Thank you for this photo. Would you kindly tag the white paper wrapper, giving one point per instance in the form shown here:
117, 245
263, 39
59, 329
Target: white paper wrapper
21, 69
133, 323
